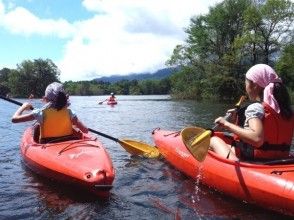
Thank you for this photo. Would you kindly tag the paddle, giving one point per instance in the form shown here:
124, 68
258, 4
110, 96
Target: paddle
100, 103
131, 146
13, 101
197, 140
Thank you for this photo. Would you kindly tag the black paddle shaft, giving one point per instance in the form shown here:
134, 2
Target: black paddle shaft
104, 135
228, 115
13, 101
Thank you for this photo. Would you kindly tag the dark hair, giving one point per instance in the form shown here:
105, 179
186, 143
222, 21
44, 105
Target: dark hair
61, 101
282, 96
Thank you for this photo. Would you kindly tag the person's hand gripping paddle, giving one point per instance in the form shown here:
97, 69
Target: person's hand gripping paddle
197, 140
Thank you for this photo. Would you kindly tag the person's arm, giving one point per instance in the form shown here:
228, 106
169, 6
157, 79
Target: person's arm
79, 124
252, 135
19, 117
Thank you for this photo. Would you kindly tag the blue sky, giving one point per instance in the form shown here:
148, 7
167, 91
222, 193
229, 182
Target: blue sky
87, 39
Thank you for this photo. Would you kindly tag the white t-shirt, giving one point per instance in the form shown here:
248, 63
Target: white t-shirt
38, 113
254, 110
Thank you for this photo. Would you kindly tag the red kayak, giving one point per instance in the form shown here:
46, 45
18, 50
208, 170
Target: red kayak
82, 162
111, 102
270, 185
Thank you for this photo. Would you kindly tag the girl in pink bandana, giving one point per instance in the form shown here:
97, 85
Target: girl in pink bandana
268, 93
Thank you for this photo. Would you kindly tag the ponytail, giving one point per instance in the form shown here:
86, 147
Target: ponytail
282, 96
61, 101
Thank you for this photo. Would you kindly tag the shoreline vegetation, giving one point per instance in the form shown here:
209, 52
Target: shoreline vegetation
219, 48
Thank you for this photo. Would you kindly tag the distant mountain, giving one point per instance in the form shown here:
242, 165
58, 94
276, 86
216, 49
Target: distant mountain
160, 74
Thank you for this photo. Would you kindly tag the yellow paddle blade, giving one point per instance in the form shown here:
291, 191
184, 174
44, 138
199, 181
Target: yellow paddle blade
139, 148
197, 141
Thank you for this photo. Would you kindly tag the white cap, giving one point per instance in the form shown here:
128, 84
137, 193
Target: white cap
52, 91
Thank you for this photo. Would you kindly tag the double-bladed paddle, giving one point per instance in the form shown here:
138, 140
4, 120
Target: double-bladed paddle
197, 140
131, 146
100, 103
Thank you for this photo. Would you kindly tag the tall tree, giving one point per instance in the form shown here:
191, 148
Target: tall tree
4, 75
209, 51
223, 44
267, 28
33, 77
285, 66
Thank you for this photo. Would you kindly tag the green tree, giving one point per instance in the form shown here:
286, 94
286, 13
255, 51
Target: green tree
186, 84
44, 73
4, 76
210, 52
32, 77
266, 30
134, 88
285, 66
223, 44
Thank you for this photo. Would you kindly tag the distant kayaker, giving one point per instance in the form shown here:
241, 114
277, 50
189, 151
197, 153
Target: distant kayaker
269, 121
31, 96
111, 99
55, 118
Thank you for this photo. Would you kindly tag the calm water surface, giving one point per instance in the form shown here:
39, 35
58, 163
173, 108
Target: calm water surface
143, 188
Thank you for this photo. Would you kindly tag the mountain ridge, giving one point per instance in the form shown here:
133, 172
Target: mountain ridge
159, 74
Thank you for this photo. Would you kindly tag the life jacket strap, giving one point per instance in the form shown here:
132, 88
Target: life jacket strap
273, 147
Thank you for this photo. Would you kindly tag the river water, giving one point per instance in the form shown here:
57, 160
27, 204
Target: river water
143, 188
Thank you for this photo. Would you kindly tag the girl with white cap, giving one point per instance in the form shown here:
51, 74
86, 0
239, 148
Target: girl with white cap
55, 119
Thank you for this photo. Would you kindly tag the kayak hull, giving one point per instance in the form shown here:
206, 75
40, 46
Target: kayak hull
82, 163
269, 186
111, 102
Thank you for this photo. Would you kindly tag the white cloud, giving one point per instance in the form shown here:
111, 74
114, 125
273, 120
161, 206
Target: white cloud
1, 10
122, 36
21, 21
127, 36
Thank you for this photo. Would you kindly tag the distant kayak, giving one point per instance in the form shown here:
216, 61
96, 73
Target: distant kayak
111, 102
83, 163
268, 185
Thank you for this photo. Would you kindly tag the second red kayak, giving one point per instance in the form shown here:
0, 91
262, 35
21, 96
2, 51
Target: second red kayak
83, 162
270, 186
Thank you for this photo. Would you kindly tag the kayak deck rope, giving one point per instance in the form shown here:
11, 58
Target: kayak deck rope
69, 146
176, 133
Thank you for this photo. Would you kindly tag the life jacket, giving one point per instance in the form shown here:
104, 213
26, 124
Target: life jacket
278, 134
56, 123
111, 99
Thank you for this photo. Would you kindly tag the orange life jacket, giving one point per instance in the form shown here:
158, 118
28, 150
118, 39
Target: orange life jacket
55, 123
111, 99
278, 133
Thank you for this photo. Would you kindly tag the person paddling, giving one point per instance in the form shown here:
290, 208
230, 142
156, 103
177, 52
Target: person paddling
55, 119
269, 121
31, 96
112, 98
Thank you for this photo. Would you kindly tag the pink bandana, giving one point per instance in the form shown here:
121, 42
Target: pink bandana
264, 76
